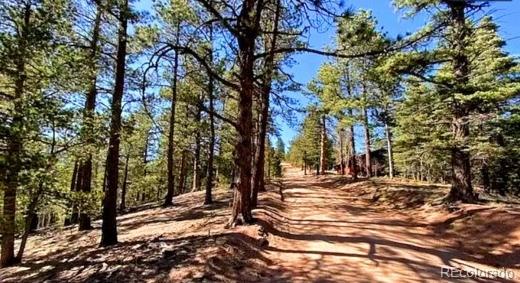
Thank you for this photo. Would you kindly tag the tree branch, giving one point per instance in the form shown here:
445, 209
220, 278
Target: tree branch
206, 65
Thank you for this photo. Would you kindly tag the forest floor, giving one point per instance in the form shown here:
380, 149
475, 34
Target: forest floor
320, 229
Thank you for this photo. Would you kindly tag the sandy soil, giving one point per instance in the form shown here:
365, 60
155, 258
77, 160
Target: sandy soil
331, 230
310, 229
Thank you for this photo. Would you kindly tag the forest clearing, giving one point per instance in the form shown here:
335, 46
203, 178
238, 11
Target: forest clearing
259, 141
327, 229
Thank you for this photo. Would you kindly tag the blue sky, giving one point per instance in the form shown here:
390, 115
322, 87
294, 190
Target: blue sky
506, 14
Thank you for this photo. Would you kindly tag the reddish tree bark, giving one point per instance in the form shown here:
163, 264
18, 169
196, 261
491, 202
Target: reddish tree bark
269, 66
248, 25
461, 187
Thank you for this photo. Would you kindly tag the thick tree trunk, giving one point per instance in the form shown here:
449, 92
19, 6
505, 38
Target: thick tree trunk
368, 155
248, 25
323, 145
388, 134
461, 188
122, 205
109, 225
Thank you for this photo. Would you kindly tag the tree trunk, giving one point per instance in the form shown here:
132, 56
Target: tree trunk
183, 173
74, 176
351, 133
304, 163
171, 147
352, 152
461, 188
122, 205
388, 134
29, 219
9, 210
196, 156
341, 154
77, 206
34, 198
269, 66
248, 25
219, 143
34, 222
258, 168
14, 150
368, 157
74, 214
484, 173
168, 200
323, 145
208, 198
88, 132
109, 225
145, 154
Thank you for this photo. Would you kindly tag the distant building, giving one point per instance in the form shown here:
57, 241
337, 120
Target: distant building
378, 160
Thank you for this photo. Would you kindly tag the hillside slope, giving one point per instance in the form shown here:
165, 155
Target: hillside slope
320, 229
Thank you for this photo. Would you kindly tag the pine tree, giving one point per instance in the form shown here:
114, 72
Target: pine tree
109, 225
455, 82
39, 23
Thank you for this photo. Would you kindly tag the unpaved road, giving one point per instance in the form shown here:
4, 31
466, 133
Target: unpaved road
329, 232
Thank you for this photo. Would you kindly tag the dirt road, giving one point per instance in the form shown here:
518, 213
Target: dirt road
329, 231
